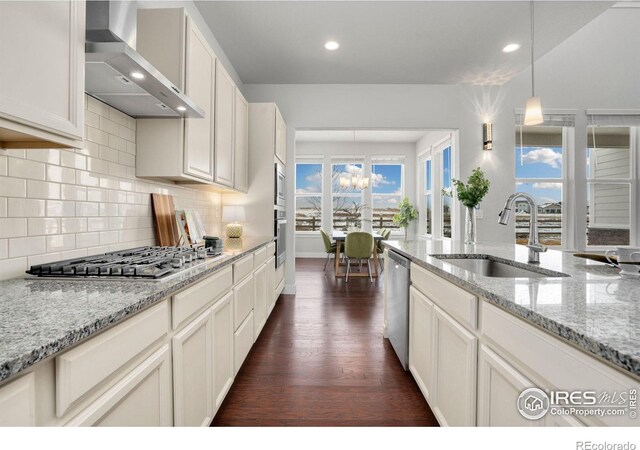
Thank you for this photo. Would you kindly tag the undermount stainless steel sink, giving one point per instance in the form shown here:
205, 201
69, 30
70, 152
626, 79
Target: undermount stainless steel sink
490, 266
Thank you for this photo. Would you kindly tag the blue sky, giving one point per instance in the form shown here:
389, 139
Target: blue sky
386, 178
540, 162
308, 178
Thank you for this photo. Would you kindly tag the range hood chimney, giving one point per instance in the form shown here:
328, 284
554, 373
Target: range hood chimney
118, 75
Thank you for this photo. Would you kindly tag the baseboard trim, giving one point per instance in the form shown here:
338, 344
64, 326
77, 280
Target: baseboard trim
311, 255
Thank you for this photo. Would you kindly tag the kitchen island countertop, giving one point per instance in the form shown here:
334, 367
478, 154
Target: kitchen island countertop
594, 308
42, 317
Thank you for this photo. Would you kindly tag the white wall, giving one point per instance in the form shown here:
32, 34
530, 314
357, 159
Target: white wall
597, 67
62, 203
310, 245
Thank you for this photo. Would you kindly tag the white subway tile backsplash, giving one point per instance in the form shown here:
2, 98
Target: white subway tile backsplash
13, 187
60, 242
61, 174
42, 226
73, 192
59, 203
74, 224
43, 189
24, 168
26, 207
61, 208
10, 228
73, 160
87, 240
32, 245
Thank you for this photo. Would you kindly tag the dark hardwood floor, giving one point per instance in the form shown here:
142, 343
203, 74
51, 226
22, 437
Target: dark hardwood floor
321, 360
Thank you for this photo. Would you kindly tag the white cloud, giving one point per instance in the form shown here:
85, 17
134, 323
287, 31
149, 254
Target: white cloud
519, 183
352, 169
308, 190
543, 185
377, 179
315, 178
543, 155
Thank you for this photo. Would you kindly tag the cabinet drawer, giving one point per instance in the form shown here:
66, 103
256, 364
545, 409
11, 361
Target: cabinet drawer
18, 402
192, 300
259, 257
242, 268
81, 369
271, 249
459, 303
243, 340
553, 363
242, 301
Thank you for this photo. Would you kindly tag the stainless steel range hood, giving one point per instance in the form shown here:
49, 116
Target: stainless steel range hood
118, 75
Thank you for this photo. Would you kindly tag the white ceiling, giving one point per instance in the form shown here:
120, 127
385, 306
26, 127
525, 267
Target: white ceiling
420, 42
386, 136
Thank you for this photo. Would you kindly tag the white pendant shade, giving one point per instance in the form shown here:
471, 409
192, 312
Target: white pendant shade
533, 112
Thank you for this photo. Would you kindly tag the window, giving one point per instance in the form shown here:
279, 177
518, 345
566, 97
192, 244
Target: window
539, 173
610, 182
308, 196
447, 183
386, 194
428, 197
346, 199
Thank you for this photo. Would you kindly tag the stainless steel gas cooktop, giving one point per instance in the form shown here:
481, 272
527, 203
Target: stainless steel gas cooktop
141, 263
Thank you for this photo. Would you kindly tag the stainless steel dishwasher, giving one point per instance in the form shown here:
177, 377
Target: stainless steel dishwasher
398, 305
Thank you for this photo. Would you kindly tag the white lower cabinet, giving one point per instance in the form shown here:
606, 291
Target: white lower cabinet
271, 284
193, 372
243, 341
18, 403
499, 386
455, 360
141, 398
223, 372
260, 300
421, 341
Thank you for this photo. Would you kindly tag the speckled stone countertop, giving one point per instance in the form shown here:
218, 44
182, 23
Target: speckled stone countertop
595, 308
39, 317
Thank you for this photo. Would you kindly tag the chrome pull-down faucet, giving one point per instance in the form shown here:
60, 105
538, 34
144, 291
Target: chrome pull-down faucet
534, 245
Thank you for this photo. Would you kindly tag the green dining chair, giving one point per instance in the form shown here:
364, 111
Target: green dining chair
329, 247
358, 245
385, 233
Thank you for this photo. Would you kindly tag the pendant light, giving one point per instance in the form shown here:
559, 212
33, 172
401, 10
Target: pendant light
533, 108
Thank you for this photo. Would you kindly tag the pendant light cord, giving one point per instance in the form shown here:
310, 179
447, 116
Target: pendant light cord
532, 23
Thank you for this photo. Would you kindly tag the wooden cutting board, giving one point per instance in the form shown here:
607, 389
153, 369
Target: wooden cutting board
164, 213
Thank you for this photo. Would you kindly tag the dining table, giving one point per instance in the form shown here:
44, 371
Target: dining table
339, 237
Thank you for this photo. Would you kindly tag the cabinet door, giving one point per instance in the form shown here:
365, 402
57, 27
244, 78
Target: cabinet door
455, 371
281, 138
18, 403
224, 101
241, 144
200, 82
193, 372
141, 398
42, 79
271, 284
499, 385
223, 371
421, 341
260, 300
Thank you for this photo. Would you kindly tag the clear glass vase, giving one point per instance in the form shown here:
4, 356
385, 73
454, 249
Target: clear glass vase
470, 227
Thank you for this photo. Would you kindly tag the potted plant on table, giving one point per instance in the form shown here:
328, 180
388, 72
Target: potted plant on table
470, 195
406, 215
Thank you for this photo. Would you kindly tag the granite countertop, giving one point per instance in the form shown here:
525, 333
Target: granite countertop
41, 317
594, 308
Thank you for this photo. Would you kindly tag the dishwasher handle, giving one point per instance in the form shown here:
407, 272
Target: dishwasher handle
399, 259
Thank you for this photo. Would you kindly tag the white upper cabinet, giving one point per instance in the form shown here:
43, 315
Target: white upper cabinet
42, 79
241, 145
281, 138
181, 150
224, 132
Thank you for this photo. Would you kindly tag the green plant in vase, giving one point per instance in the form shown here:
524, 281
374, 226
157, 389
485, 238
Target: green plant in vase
470, 195
407, 214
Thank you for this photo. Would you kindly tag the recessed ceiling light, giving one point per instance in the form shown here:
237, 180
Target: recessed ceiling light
137, 75
181, 108
332, 45
511, 48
